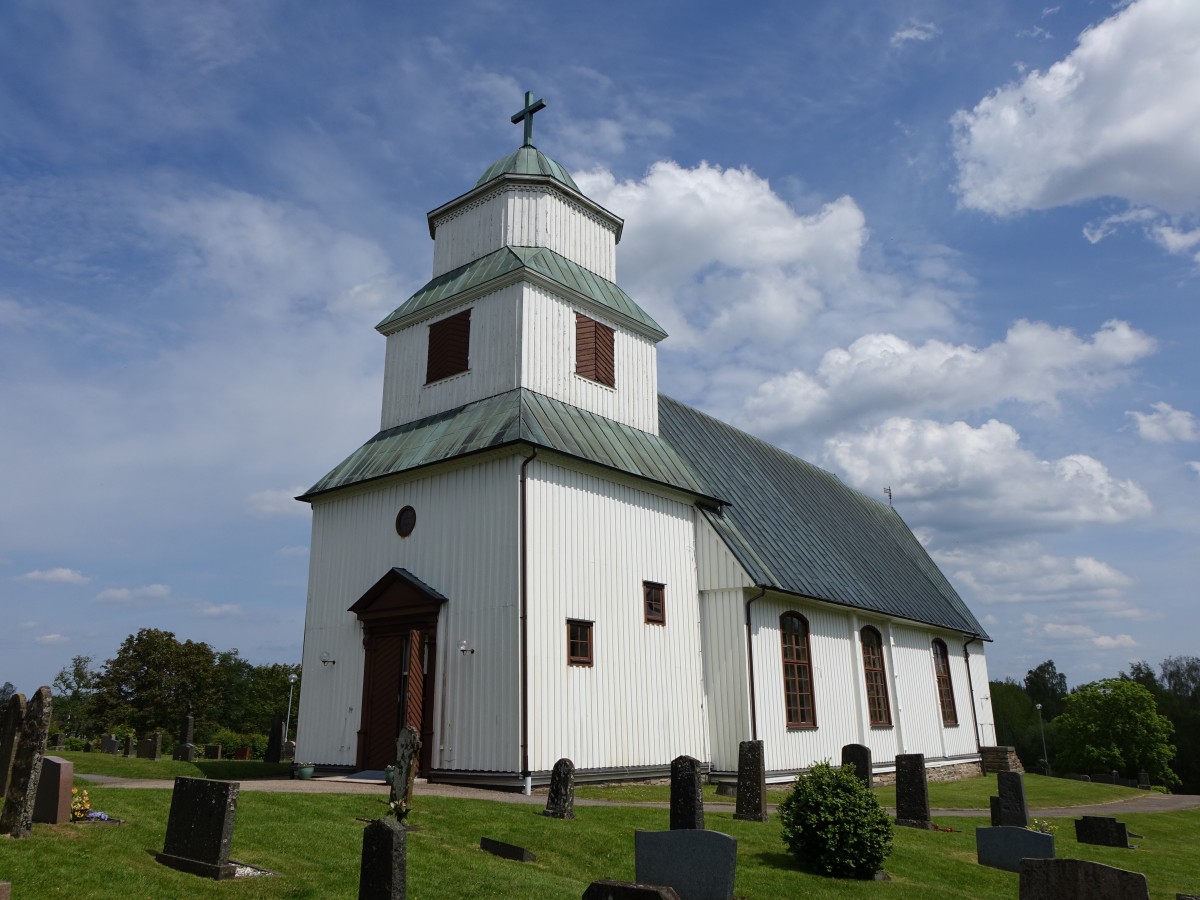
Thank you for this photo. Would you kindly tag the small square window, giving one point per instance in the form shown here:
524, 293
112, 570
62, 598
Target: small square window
653, 603
579, 642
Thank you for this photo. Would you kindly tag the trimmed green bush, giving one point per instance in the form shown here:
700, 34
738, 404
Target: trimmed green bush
833, 825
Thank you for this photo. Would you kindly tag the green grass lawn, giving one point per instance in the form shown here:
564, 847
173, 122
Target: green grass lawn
314, 840
970, 793
167, 769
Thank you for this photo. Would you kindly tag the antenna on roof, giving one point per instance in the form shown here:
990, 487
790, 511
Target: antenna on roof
888, 490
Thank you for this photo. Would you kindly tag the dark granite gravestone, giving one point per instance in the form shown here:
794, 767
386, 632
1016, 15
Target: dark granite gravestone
200, 827
1079, 879
560, 802
626, 890
212, 751
859, 757
726, 789
56, 741
1103, 830
242, 753
185, 750
1144, 781
87, 746
687, 799
274, 752
129, 746
506, 851
699, 865
1009, 808
110, 744
10, 732
16, 818
408, 760
912, 791
151, 747
383, 872
751, 783
52, 805
1004, 846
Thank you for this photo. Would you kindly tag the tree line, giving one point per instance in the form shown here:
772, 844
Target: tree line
1140, 721
155, 679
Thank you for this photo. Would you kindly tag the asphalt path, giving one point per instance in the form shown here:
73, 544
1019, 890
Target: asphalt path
1150, 802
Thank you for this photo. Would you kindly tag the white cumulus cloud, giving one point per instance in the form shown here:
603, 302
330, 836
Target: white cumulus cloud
915, 31
56, 576
124, 596
51, 639
1118, 117
1166, 424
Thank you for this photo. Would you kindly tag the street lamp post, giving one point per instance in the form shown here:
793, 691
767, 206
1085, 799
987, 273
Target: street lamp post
1041, 728
287, 727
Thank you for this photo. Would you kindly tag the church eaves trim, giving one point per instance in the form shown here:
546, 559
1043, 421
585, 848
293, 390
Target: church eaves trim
509, 265
515, 417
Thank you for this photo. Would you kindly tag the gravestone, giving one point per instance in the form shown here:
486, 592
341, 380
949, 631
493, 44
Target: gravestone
560, 802
506, 851
185, 750
859, 757
56, 741
274, 752
16, 818
383, 871
52, 804
726, 789
687, 800
151, 747
242, 753
699, 865
14, 718
1079, 879
200, 827
751, 783
1004, 846
110, 744
912, 791
289, 750
212, 751
627, 890
87, 746
1144, 781
1009, 808
408, 760
129, 748
1103, 830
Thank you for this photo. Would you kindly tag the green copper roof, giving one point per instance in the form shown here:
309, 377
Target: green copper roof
797, 528
527, 161
508, 260
518, 416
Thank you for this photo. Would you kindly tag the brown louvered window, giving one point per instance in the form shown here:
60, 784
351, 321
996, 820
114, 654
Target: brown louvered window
797, 671
579, 642
449, 347
945, 687
594, 351
876, 677
654, 603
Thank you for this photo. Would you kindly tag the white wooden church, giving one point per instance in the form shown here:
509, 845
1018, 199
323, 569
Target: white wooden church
540, 556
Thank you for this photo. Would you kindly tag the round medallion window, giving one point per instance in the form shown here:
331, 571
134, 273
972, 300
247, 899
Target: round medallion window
406, 521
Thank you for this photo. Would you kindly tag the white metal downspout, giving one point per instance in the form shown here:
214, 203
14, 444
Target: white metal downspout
859, 686
527, 777
891, 661
971, 688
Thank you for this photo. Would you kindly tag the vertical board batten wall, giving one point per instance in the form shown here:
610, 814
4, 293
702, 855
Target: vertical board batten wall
468, 512
492, 361
642, 701
548, 363
525, 216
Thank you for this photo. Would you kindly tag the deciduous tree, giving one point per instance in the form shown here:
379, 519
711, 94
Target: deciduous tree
1114, 724
1047, 686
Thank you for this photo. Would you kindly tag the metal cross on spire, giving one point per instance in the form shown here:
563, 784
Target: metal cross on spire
526, 115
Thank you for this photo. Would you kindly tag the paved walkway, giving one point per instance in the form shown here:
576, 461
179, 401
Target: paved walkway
1149, 802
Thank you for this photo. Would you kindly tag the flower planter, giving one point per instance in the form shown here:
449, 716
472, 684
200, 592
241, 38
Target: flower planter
304, 772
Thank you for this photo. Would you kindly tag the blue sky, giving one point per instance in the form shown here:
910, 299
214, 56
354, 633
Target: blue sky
947, 248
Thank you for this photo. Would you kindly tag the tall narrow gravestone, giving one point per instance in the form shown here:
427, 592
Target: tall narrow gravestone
408, 760
17, 816
560, 802
912, 791
10, 732
382, 873
185, 750
858, 757
1009, 808
129, 749
751, 783
687, 800
52, 805
200, 827
274, 752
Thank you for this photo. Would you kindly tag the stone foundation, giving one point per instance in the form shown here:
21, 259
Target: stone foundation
956, 772
1000, 759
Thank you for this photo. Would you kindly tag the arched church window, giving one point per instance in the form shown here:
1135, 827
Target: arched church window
875, 675
797, 671
945, 686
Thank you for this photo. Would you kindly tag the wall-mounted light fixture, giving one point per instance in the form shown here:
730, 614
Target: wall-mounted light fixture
464, 648
325, 660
